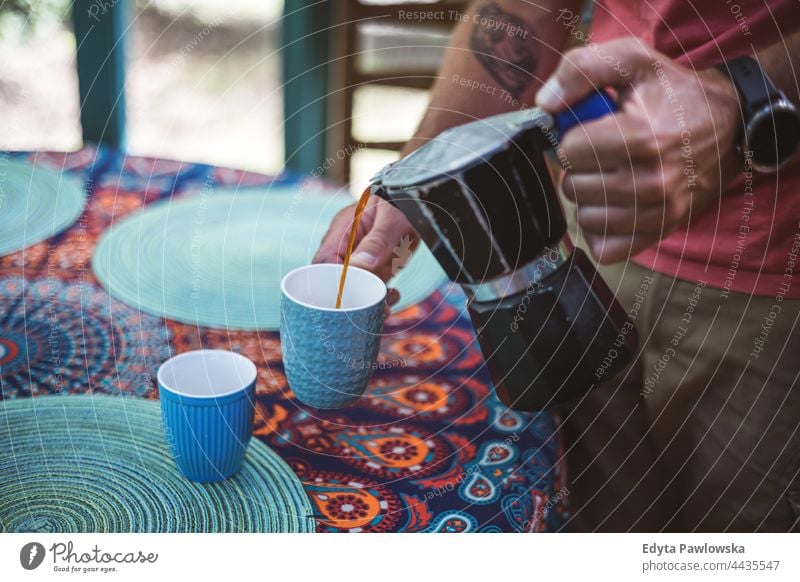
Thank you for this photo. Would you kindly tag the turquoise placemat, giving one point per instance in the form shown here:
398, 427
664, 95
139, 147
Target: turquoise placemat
217, 258
35, 204
100, 464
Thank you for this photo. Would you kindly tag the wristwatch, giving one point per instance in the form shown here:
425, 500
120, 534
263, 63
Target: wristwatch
771, 132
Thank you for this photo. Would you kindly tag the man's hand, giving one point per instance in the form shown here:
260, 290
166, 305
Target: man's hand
642, 173
381, 229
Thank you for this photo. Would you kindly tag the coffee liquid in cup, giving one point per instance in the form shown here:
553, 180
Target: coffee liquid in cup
362, 204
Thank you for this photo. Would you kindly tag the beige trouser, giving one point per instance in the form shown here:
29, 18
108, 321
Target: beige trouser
703, 431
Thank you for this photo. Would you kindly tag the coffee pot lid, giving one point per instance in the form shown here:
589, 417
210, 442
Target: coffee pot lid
462, 147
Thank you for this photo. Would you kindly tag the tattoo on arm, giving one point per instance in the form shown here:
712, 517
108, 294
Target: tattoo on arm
500, 43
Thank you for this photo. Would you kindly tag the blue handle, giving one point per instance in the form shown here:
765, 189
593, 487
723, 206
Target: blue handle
592, 107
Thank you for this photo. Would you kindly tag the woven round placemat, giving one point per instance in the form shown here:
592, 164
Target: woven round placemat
100, 464
35, 204
217, 258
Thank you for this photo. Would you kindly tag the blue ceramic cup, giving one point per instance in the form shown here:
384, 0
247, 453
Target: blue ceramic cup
207, 404
329, 353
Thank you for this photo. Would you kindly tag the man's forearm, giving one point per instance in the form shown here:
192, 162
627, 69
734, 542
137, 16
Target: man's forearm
500, 53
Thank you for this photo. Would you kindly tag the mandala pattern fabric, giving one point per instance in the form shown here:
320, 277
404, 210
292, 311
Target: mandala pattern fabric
70, 337
428, 448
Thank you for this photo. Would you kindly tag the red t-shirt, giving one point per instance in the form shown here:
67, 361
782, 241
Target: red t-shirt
749, 241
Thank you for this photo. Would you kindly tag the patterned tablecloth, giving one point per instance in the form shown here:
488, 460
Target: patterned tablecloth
429, 449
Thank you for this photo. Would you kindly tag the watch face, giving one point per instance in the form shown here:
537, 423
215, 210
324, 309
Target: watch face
774, 135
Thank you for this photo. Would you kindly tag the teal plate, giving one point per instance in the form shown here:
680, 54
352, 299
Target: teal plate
99, 464
36, 203
217, 258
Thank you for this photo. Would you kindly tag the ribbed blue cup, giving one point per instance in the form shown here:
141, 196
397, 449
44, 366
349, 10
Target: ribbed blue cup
207, 405
328, 353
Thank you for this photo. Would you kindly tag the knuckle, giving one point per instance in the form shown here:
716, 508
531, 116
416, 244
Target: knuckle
672, 180
599, 221
659, 189
580, 58
344, 215
674, 210
374, 244
586, 217
637, 49
650, 188
568, 187
646, 145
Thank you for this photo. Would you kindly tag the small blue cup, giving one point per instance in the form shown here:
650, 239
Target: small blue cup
207, 405
329, 353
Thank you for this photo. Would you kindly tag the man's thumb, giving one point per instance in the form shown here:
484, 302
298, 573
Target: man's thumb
595, 66
373, 250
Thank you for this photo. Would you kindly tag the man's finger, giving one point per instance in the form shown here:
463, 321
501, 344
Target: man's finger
596, 188
392, 297
608, 143
583, 70
613, 249
375, 252
618, 220
619, 187
334, 243
644, 186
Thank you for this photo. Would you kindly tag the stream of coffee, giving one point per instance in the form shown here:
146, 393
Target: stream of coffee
362, 204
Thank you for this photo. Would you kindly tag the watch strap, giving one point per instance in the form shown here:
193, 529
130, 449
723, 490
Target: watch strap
753, 85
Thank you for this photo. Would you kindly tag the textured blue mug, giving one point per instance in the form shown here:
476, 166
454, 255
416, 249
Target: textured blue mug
329, 353
207, 404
